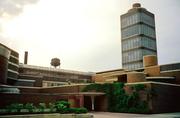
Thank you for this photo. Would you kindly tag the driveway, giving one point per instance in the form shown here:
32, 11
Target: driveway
127, 115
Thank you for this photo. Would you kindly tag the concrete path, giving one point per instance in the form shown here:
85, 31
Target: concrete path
126, 115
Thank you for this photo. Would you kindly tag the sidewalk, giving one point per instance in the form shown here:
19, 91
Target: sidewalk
128, 115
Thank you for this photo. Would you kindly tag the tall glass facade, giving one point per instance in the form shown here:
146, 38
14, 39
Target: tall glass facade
138, 37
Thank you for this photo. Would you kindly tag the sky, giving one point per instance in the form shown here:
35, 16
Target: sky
83, 34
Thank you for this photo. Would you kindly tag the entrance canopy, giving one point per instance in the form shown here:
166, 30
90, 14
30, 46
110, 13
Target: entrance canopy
92, 95
89, 94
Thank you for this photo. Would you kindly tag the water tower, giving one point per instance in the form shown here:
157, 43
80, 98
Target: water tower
55, 62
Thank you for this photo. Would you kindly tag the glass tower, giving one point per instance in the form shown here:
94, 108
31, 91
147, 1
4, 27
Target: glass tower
138, 36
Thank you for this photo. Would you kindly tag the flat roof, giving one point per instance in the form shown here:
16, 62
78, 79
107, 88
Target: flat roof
67, 94
152, 82
163, 78
55, 69
8, 48
29, 87
110, 71
21, 80
85, 93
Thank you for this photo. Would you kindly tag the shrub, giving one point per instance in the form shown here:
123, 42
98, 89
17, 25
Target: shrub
78, 110
62, 106
42, 106
74, 110
82, 110
15, 106
29, 106
65, 103
51, 106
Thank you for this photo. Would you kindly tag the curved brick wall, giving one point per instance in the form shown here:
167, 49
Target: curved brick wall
4, 55
150, 60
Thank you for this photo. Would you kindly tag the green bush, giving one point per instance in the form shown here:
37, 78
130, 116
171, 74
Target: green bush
63, 107
65, 103
78, 110
60, 106
29, 106
82, 110
51, 106
42, 106
15, 106
74, 110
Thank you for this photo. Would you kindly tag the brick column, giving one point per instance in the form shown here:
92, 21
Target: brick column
81, 101
72, 101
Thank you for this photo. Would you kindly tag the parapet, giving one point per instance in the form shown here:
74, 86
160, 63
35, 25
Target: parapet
133, 77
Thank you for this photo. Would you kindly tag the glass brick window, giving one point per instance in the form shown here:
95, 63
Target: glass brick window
138, 29
147, 19
131, 43
135, 18
130, 20
130, 31
134, 55
148, 52
148, 31
133, 66
148, 43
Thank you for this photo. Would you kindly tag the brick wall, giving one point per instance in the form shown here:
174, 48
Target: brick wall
65, 89
37, 95
175, 74
166, 98
135, 77
161, 98
152, 71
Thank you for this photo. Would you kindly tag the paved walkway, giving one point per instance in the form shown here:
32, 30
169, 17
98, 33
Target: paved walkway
126, 115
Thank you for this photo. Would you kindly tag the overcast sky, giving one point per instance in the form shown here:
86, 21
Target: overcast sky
84, 34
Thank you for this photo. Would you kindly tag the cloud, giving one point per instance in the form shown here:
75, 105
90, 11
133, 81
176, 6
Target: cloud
12, 8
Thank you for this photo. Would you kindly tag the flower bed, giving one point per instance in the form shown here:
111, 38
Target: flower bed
57, 107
